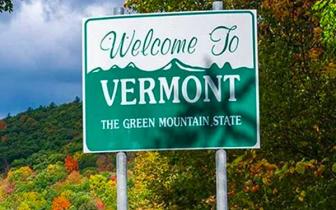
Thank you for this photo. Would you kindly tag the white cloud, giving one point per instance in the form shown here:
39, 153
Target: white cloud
46, 34
40, 51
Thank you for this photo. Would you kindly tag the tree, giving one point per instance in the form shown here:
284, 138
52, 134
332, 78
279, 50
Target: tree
167, 5
326, 10
77, 100
6, 6
60, 203
71, 164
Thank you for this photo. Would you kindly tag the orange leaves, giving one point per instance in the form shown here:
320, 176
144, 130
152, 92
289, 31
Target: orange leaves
314, 53
261, 170
262, 166
60, 203
211, 200
74, 178
319, 171
317, 33
71, 164
100, 204
114, 179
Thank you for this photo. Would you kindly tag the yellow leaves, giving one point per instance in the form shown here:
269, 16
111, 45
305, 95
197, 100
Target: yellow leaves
319, 170
330, 69
301, 194
236, 161
266, 180
314, 53
274, 191
317, 128
333, 168
52, 168
300, 168
247, 186
20, 174
31, 200
96, 181
317, 33
24, 206
211, 200
263, 170
291, 170
281, 172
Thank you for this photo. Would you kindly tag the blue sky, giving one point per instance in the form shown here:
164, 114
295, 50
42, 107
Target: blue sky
40, 51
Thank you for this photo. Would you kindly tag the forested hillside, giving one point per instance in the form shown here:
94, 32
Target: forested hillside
44, 168
40, 135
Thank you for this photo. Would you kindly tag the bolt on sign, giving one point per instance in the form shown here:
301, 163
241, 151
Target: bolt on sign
170, 81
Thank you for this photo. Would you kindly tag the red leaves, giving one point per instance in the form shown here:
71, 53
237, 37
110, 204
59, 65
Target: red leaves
71, 164
100, 204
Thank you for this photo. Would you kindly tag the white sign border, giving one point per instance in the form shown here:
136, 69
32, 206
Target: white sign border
84, 70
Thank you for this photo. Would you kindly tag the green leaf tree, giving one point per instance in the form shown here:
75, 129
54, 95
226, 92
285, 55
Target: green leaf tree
6, 6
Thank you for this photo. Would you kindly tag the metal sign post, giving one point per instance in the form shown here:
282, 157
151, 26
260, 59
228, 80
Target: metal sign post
221, 179
122, 201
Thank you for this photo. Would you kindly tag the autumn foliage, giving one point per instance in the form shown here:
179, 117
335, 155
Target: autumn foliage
60, 203
295, 168
71, 164
100, 204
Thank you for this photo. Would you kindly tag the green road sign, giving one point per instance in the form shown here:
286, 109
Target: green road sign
170, 81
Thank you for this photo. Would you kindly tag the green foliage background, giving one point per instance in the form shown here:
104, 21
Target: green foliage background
294, 169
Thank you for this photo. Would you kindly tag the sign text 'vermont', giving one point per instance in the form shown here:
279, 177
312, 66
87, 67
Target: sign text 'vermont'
168, 91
